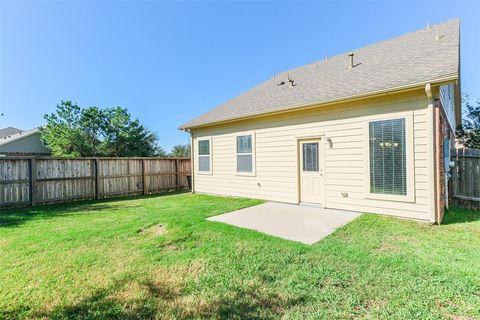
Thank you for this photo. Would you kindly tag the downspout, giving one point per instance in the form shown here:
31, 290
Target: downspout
192, 155
430, 151
438, 156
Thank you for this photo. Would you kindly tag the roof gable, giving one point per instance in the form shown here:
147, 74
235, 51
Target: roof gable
419, 57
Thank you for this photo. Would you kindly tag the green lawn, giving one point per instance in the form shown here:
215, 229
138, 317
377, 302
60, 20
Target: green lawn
112, 259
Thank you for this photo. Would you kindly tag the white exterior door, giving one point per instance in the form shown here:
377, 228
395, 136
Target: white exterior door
311, 171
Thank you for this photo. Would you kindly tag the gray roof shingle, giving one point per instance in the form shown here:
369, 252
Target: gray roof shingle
414, 58
18, 135
8, 131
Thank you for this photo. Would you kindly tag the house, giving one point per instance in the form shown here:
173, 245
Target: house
15, 142
365, 131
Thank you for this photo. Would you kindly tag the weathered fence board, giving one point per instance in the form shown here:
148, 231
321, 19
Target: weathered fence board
15, 178
466, 178
30, 181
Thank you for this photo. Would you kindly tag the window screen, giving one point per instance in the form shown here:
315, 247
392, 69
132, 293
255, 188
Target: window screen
244, 154
310, 156
244, 163
204, 155
244, 144
204, 147
388, 169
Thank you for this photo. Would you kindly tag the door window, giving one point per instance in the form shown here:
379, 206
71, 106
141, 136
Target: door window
310, 156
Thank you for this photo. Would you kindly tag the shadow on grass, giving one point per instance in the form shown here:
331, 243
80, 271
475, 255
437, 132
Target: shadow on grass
101, 306
17, 216
250, 303
459, 215
166, 302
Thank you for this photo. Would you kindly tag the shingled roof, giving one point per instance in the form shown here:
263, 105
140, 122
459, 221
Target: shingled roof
417, 58
8, 131
17, 135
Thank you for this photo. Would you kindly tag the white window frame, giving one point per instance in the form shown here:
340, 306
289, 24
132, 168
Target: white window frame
209, 139
254, 170
410, 158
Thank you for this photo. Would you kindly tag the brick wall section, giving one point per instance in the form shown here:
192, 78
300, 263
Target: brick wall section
443, 132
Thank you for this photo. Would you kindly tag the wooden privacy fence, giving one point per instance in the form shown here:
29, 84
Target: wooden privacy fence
466, 178
29, 181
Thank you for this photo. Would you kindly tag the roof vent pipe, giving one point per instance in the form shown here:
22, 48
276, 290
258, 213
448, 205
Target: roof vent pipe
438, 34
350, 66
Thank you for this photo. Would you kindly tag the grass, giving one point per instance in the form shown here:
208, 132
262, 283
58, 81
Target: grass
157, 257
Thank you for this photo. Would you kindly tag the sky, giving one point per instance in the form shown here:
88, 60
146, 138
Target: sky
168, 62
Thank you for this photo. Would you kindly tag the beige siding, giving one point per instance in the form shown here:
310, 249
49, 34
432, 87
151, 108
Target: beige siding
345, 159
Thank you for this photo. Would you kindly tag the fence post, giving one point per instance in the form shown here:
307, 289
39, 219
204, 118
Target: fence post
144, 180
32, 178
92, 176
176, 175
97, 189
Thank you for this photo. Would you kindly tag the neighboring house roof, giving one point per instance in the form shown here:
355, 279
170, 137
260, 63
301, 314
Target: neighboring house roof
17, 136
417, 58
8, 131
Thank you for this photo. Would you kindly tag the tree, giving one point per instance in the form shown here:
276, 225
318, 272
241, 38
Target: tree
127, 137
93, 123
180, 151
468, 132
62, 133
91, 131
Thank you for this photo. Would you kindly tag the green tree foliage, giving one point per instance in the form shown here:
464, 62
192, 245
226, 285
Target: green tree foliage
62, 133
93, 123
180, 151
128, 138
468, 133
74, 131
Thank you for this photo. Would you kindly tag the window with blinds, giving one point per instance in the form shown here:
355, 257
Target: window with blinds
244, 154
388, 164
204, 155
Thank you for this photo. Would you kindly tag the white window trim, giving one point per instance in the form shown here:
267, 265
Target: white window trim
254, 166
209, 139
410, 158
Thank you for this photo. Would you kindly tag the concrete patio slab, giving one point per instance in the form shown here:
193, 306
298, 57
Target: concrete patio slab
302, 223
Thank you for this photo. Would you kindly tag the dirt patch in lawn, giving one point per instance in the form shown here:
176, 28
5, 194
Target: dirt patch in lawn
396, 244
461, 317
388, 247
154, 231
170, 247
